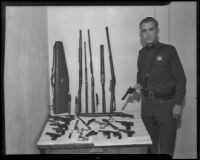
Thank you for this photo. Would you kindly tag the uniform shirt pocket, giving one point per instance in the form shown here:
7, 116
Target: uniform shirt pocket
161, 65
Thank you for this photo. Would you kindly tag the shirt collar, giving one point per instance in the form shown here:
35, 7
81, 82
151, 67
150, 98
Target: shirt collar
154, 46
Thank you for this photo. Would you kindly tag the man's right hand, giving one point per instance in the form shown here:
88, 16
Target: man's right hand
138, 88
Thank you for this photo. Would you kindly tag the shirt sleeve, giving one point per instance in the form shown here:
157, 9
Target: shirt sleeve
178, 75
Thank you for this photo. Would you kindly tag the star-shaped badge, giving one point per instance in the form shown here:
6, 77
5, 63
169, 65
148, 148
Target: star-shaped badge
159, 58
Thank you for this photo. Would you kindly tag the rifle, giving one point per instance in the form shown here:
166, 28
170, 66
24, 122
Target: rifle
118, 114
113, 79
129, 91
92, 75
86, 81
102, 71
107, 133
80, 72
60, 80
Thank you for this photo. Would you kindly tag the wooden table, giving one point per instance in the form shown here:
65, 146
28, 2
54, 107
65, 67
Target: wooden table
137, 144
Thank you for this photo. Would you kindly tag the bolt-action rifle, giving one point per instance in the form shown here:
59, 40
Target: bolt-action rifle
116, 114
86, 81
102, 71
113, 79
92, 75
80, 72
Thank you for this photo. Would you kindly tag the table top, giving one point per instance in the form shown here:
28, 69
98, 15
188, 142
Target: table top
141, 136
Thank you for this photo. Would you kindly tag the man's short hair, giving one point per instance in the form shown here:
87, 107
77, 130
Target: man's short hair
149, 19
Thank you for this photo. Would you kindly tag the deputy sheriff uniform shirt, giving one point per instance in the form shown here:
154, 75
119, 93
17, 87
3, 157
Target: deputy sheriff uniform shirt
166, 72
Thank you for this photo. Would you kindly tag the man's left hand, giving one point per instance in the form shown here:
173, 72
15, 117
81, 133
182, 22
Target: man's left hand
177, 111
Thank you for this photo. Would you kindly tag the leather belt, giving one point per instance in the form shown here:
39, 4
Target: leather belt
152, 95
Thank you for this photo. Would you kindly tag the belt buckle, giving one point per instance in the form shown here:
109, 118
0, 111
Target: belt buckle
150, 95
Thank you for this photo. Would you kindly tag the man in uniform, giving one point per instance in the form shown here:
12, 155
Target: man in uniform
162, 80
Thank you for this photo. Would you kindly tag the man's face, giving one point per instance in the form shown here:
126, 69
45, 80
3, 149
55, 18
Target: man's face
149, 32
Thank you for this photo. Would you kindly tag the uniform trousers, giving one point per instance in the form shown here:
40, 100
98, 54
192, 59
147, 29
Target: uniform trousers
160, 124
